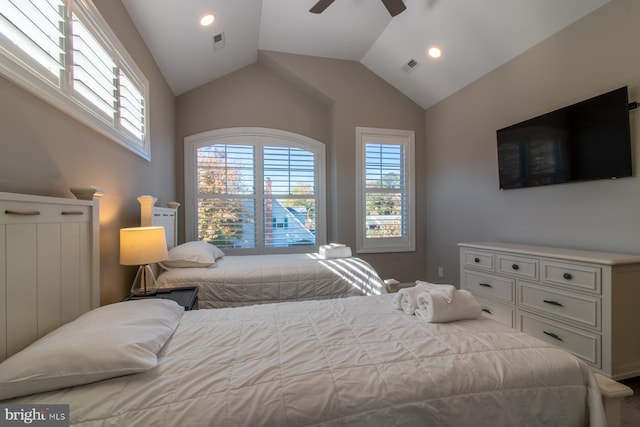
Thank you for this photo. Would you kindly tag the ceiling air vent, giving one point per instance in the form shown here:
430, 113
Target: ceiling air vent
218, 41
411, 65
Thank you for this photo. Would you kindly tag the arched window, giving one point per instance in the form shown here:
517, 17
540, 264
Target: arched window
255, 190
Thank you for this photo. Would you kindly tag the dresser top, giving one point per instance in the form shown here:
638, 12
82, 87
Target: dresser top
609, 258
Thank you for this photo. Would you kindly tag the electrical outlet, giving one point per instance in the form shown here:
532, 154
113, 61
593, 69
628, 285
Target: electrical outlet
440, 272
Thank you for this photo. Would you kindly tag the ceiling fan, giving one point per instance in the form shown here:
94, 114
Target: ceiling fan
393, 6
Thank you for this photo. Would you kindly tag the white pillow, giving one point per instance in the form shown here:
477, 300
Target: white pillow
198, 254
217, 252
110, 341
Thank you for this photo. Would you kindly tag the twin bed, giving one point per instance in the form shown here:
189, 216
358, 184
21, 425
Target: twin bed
349, 361
344, 361
234, 281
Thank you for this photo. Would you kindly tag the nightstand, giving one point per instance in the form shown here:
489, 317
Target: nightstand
186, 297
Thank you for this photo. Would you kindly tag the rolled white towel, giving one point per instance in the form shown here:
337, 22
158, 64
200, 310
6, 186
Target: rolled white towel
334, 250
448, 290
434, 308
409, 299
404, 293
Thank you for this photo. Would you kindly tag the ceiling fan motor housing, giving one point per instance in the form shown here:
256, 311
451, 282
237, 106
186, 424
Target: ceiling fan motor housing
394, 7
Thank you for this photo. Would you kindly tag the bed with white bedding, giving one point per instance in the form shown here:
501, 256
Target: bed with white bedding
353, 361
239, 280
347, 361
235, 281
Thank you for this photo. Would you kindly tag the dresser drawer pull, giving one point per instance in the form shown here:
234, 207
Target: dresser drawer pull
72, 213
552, 302
486, 285
567, 276
476, 260
22, 213
515, 266
552, 335
486, 310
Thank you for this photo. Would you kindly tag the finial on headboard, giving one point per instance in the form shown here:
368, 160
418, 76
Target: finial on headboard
88, 192
146, 205
151, 215
147, 199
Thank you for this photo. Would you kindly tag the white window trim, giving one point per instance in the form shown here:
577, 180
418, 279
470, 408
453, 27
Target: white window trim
268, 137
406, 243
24, 73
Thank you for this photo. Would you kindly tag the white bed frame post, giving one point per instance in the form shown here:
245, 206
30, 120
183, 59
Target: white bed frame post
612, 394
151, 215
93, 194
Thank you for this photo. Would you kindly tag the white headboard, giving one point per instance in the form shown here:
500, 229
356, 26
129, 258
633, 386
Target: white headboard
152, 215
50, 264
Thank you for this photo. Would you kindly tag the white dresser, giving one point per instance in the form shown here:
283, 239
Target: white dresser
585, 302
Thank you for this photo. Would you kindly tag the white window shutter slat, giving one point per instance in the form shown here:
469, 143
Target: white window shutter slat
64, 52
131, 106
94, 72
35, 32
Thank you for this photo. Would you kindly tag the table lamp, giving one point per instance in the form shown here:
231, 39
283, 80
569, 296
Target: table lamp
143, 246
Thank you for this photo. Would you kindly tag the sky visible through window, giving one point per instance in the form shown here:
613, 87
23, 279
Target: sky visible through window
287, 168
385, 200
383, 165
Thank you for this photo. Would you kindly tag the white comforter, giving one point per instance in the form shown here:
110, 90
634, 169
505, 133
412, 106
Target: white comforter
258, 279
348, 361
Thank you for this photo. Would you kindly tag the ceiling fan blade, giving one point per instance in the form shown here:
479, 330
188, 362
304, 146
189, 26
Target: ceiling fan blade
394, 6
321, 6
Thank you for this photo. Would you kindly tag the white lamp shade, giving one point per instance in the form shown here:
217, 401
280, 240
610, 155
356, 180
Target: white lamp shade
142, 245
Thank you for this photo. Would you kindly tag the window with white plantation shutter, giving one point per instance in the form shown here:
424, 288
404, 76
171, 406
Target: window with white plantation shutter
226, 195
65, 53
289, 202
385, 213
32, 34
94, 72
132, 106
255, 190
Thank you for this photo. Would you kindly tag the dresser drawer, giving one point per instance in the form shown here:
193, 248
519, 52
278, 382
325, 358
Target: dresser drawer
517, 266
477, 259
583, 310
574, 276
583, 344
494, 310
488, 285
28, 213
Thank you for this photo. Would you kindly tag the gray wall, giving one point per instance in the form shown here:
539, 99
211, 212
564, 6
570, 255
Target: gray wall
597, 54
324, 99
43, 151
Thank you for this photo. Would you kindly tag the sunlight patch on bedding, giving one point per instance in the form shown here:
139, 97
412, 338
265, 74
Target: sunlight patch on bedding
357, 272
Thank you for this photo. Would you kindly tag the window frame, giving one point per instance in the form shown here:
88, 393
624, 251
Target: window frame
406, 139
258, 137
26, 72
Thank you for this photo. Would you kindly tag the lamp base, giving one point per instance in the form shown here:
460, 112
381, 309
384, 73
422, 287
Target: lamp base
145, 282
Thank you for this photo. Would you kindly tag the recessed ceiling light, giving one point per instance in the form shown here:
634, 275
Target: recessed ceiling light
207, 20
434, 52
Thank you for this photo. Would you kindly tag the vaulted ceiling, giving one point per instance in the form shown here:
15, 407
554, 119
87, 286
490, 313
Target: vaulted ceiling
475, 36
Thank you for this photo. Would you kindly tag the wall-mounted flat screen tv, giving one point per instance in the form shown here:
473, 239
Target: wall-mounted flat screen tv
585, 141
